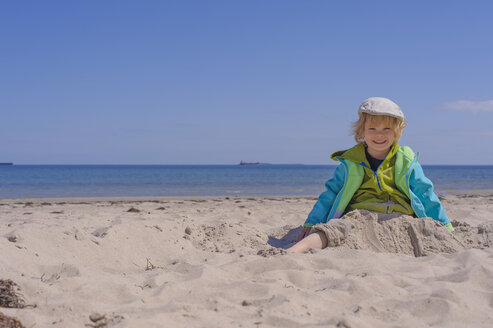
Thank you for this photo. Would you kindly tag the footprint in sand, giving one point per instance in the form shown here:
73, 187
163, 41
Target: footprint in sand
51, 274
100, 232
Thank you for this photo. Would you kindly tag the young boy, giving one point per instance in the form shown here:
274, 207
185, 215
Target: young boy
377, 175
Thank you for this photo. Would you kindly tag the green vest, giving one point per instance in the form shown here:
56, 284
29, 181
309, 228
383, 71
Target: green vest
384, 191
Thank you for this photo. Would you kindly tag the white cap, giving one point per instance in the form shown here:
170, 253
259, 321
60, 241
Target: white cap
381, 106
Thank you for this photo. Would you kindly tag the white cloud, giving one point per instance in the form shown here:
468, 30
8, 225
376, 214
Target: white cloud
470, 106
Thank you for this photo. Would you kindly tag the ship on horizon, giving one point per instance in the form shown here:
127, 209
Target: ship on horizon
249, 163
9, 163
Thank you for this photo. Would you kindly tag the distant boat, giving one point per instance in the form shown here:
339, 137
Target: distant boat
249, 163
6, 163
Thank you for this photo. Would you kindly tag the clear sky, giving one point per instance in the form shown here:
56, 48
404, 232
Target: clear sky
216, 82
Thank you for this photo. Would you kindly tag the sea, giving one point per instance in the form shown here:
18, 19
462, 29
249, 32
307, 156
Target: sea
47, 181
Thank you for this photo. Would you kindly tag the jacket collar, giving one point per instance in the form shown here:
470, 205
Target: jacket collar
357, 153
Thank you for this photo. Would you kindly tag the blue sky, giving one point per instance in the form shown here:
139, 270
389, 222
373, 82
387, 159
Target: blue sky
216, 82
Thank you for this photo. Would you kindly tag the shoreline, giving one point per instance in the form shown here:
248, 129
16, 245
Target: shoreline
135, 199
91, 199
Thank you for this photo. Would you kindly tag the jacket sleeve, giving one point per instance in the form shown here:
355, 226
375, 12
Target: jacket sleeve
326, 199
425, 201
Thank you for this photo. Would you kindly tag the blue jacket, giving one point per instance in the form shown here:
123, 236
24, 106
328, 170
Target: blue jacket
414, 184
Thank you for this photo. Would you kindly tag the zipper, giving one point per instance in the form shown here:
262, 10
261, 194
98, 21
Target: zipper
378, 181
375, 173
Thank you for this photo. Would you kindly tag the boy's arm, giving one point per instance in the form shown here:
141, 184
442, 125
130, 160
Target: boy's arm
431, 206
326, 199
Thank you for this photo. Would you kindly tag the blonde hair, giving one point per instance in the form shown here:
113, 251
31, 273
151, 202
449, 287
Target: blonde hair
359, 126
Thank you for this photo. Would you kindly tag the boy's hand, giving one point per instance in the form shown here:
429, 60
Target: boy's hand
302, 234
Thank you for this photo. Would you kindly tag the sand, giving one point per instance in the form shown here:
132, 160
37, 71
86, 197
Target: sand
220, 262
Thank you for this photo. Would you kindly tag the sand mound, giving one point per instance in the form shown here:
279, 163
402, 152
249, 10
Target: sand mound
401, 234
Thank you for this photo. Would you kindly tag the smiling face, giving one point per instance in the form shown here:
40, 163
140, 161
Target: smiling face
379, 136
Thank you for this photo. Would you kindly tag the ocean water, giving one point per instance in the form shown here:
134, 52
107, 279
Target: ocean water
26, 181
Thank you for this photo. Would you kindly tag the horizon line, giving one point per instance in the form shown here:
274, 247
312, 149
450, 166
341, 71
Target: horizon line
208, 164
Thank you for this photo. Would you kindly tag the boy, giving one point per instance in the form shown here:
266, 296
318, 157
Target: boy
376, 174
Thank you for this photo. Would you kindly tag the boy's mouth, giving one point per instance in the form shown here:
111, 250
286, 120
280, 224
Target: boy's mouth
379, 142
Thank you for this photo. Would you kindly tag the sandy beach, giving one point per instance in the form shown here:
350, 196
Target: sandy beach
220, 262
